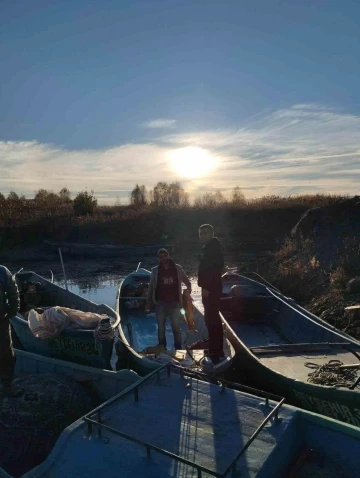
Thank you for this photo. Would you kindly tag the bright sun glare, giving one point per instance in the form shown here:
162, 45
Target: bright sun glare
192, 161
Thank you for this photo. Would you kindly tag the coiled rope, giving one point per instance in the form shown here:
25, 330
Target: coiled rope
331, 374
103, 331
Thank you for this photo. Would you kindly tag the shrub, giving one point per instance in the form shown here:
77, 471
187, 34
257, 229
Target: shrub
85, 204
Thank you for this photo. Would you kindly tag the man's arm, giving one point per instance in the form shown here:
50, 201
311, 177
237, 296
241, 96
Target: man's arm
12, 294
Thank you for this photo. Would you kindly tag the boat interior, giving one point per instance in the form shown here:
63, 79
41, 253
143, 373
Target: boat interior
140, 327
274, 330
38, 293
188, 428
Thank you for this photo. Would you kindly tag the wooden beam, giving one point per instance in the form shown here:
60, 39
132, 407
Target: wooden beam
351, 365
353, 307
269, 349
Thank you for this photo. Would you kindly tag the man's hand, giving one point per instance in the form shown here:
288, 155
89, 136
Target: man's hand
148, 306
205, 293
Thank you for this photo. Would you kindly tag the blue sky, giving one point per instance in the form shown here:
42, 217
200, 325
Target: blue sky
98, 94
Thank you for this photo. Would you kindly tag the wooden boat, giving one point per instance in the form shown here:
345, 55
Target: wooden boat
77, 346
190, 428
279, 344
138, 333
104, 250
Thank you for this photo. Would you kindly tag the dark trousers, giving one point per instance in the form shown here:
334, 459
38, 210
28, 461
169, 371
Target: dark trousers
213, 324
7, 356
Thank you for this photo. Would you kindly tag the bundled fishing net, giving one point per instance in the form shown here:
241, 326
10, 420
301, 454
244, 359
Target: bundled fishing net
332, 374
51, 322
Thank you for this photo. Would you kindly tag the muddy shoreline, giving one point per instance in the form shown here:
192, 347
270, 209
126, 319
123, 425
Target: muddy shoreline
38, 259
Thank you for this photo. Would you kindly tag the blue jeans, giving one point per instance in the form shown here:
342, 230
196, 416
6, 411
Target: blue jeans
172, 310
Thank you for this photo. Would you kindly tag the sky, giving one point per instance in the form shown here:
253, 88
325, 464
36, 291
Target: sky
101, 95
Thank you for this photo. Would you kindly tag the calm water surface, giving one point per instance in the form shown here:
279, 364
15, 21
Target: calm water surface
104, 292
99, 280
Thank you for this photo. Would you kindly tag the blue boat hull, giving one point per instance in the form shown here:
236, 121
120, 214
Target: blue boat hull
78, 346
74, 346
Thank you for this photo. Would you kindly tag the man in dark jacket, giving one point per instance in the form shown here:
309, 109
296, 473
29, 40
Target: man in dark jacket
9, 306
209, 279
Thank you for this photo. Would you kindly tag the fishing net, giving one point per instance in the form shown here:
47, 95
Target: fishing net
31, 424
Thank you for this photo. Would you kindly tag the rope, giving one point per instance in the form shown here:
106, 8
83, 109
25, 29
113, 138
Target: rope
103, 331
331, 374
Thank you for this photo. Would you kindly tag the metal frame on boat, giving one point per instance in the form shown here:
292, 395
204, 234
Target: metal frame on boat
188, 427
100, 425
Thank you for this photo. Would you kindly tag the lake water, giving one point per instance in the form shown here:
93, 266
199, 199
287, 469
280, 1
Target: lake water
103, 292
98, 280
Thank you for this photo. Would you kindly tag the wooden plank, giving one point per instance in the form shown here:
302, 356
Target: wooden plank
353, 307
351, 365
269, 349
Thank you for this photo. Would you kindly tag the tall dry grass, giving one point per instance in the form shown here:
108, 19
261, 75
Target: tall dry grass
261, 222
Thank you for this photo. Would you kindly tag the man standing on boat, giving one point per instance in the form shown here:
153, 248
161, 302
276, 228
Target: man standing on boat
165, 293
209, 279
9, 306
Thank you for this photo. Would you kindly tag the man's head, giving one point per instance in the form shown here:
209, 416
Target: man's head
163, 256
206, 232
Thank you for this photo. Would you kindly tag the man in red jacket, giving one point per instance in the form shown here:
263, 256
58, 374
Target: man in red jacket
209, 279
165, 293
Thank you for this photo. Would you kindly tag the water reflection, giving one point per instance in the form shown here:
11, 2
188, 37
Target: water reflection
100, 289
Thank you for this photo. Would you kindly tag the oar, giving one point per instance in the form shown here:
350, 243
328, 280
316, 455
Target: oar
16, 273
351, 365
63, 268
131, 338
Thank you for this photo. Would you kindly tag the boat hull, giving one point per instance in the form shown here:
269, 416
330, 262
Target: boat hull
340, 404
74, 346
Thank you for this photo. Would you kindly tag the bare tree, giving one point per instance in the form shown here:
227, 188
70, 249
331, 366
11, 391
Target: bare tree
138, 196
238, 197
211, 200
169, 195
65, 195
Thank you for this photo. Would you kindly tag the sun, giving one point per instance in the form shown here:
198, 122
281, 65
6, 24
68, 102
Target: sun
192, 161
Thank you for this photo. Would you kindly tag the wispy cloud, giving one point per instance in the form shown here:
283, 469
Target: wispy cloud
161, 123
305, 148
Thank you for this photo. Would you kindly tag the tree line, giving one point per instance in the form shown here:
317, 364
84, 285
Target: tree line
171, 195
84, 202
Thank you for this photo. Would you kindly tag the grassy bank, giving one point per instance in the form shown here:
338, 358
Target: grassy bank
259, 224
